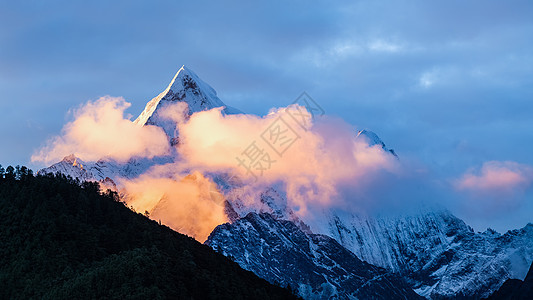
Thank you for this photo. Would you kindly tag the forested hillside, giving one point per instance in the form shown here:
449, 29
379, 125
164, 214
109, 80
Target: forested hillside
64, 240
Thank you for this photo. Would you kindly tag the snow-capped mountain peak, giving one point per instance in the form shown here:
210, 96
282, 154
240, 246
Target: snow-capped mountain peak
351, 254
72, 166
186, 87
73, 160
373, 139
185, 83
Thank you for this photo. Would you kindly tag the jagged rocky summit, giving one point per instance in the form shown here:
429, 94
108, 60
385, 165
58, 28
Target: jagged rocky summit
185, 87
354, 255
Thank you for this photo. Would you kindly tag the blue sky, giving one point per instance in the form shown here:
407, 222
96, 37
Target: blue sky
448, 84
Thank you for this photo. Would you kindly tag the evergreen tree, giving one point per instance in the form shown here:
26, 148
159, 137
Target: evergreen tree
21, 172
2, 171
10, 173
17, 172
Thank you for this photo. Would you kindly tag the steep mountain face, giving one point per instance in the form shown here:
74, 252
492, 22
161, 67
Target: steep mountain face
402, 244
515, 289
439, 255
438, 252
373, 139
271, 201
480, 263
185, 87
315, 265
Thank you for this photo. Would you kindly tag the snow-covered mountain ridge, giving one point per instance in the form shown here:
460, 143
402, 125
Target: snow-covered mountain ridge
185, 87
315, 265
373, 139
104, 168
436, 252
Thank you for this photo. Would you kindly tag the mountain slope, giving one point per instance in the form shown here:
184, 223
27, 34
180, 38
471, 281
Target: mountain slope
396, 242
373, 139
440, 254
185, 87
315, 265
102, 169
514, 289
64, 241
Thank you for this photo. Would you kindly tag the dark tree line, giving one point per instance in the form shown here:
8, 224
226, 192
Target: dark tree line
15, 173
62, 239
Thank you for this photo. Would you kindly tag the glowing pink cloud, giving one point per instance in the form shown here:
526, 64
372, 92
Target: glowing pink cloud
324, 155
100, 130
497, 178
312, 161
189, 204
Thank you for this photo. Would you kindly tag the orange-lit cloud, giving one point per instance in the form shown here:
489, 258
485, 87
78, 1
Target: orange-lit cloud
190, 204
323, 156
100, 130
310, 160
497, 177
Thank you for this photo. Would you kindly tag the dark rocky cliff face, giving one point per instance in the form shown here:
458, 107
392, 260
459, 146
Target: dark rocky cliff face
314, 265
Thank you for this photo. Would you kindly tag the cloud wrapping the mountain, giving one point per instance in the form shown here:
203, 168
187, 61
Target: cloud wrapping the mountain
316, 158
320, 164
317, 162
99, 129
322, 156
189, 204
